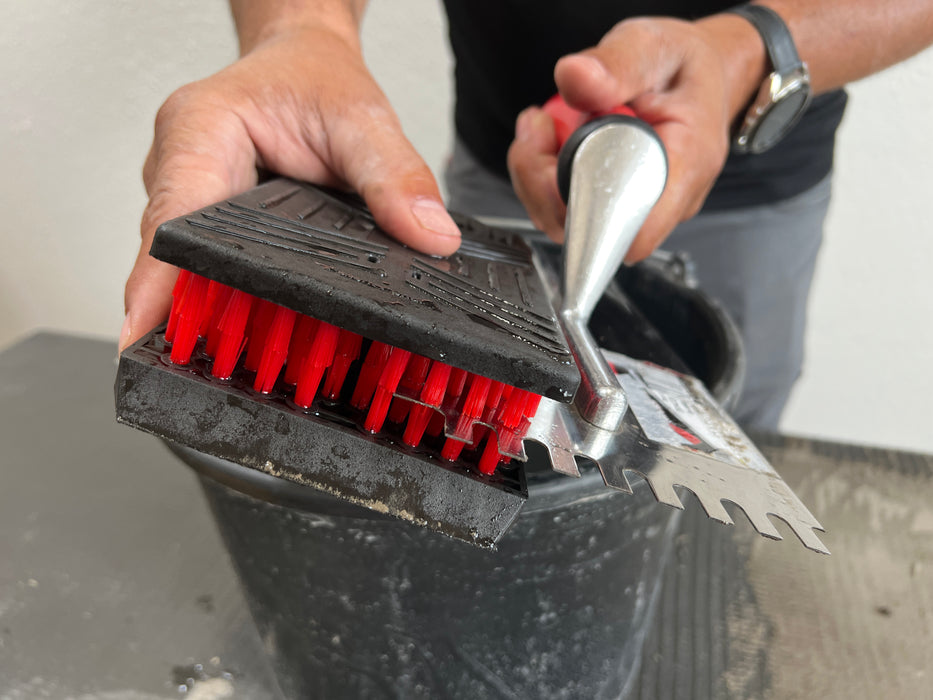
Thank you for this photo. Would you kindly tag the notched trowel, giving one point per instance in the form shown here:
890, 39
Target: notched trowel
629, 415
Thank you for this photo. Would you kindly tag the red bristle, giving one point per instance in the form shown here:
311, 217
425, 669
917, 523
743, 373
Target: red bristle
492, 400
259, 322
218, 305
476, 397
458, 378
432, 393
490, 457
412, 381
348, 349
214, 290
302, 337
191, 313
178, 293
231, 329
315, 362
388, 382
418, 418
275, 349
452, 449
435, 386
512, 410
375, 360
531, 405
470, 411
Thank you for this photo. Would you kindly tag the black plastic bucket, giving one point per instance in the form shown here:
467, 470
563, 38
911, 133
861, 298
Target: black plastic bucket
353, 604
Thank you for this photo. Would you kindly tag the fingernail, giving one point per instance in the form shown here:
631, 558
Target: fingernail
523, 126
125, 334
529, 121
432, 216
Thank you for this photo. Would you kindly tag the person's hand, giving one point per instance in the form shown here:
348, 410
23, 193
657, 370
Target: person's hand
302, 104
677, 76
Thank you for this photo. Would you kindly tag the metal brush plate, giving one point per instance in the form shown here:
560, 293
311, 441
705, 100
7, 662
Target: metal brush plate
483, 309
322, 448
675, 434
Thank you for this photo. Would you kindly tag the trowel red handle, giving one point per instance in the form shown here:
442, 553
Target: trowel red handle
573, 126
567, 119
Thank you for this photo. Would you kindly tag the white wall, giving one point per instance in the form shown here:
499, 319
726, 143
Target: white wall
81, 81
869, 365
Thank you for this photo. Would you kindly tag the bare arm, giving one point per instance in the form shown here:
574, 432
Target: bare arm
844, 40
257, 21
840, 41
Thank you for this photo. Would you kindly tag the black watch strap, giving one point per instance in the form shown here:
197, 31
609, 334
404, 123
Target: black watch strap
774, 33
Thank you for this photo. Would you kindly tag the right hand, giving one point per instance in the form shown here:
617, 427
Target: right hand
676, 76
303, 104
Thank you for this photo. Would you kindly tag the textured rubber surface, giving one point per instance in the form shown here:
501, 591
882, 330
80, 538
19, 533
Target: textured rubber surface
484, 309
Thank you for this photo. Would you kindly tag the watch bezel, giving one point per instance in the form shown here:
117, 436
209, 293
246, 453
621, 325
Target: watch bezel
775, 90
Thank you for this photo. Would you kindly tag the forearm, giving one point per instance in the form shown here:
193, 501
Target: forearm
844, 40
258, 20
840, 40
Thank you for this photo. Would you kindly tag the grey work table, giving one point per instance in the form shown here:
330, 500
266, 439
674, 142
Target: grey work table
115, 584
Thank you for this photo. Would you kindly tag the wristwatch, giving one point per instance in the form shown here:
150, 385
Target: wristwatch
785, 93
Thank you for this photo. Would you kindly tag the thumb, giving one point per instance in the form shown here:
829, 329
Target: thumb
632, 59
378, 161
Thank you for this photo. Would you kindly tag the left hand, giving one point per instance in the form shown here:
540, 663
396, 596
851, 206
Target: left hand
674, 75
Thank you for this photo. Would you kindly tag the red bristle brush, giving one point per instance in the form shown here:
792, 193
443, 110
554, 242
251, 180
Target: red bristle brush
309, 359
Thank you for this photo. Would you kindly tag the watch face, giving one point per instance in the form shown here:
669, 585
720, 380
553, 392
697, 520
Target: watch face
778, 120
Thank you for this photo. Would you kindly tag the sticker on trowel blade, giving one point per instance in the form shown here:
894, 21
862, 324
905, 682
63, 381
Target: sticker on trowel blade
652, 419
690, 403
736, 443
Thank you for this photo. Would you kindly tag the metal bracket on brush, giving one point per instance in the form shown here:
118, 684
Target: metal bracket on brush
619, 169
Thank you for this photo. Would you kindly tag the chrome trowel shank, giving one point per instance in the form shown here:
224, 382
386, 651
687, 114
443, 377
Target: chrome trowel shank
629, 415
